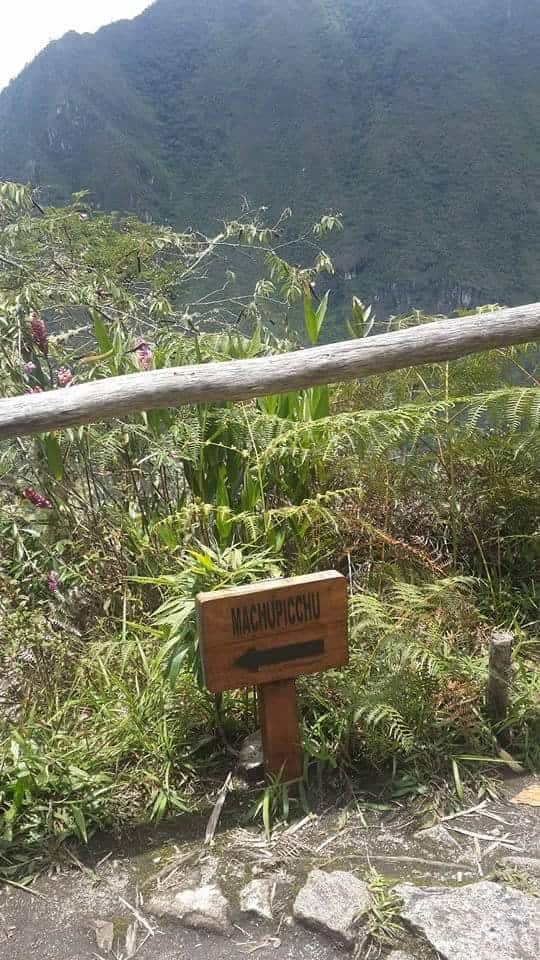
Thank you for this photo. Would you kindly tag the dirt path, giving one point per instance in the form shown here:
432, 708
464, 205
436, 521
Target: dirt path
66, 916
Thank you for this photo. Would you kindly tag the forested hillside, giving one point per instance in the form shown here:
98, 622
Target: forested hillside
419, 120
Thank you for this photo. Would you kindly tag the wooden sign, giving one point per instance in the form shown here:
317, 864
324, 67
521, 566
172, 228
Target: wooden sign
266, 634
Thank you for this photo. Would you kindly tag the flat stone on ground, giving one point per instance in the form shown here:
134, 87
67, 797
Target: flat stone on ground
104, 930
528, 865
440, 836
256, 898
332, 903
482, 920
204, 908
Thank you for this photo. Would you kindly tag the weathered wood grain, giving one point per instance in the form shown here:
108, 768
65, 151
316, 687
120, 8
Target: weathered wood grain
500, 673
244, 379
278, 716
273, 630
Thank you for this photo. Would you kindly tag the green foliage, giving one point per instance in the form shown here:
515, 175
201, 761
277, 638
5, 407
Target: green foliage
314, 319
203, 570
420, 485
362, 320
106, 739
384, 926
391, 112
272, 806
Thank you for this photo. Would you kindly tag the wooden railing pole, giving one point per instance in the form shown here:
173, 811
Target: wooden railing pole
106, 399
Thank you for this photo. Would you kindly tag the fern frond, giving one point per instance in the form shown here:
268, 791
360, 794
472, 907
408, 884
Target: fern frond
393, 724
512, 408
369, 613
421, 598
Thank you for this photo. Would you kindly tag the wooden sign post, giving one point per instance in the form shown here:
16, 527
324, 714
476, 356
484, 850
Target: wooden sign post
266, 634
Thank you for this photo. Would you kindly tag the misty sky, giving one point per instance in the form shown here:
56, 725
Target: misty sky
29, 25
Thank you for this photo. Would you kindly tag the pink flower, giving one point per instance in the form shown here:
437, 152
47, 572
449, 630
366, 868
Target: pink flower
64, 377
38, 331
52, 581
143, 354
36, 499
28, 368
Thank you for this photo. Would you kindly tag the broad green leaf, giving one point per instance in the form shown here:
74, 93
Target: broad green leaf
77, 772
267, 814
167, 533
53, 453
314, 319
362, 319
175, 665
157, 419
320, 403
222, 493
159, 807
285, 803
100, 332
80, 821
457, 779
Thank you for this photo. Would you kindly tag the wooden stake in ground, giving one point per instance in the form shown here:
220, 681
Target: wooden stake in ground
265, 635
278, 714
500, 673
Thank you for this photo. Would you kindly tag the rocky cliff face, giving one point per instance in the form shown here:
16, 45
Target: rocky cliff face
418, 119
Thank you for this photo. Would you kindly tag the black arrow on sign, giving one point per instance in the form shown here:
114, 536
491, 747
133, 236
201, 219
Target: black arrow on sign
252, 659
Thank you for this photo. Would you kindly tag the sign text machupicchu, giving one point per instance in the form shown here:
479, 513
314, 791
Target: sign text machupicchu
274, 630
276, 614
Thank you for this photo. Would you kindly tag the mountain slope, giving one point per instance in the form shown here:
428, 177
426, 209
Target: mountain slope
419, 119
